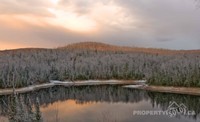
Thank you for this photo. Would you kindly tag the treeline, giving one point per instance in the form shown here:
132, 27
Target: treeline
33, 66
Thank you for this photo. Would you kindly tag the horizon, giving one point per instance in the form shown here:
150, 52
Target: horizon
172, 24
118, 46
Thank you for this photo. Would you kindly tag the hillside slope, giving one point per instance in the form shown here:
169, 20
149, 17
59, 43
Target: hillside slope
107, 47
97, 46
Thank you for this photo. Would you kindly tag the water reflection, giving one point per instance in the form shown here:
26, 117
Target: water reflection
92, 103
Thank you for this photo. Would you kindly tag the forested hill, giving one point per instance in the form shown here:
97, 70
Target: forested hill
82, 61
106, 47
97, 46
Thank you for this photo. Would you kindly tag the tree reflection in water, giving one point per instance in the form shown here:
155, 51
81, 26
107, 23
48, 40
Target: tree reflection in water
25, 107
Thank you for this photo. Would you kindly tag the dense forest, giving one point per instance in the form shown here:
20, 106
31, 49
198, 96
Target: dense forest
83, 61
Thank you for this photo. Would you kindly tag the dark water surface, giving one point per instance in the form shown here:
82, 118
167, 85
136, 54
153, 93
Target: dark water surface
95, 104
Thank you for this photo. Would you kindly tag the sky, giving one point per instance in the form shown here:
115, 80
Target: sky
170, 24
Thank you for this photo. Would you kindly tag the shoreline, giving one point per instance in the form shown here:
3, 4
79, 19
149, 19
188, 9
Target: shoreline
9, 91
168, 89
133, 84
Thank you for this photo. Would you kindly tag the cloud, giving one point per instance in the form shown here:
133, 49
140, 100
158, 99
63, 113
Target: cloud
107, 14
170, 24
34, 7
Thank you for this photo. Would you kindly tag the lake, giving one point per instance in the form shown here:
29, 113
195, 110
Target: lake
102, 103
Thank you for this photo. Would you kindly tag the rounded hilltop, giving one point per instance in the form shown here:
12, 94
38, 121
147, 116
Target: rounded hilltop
90, 46
98, 46
107, 47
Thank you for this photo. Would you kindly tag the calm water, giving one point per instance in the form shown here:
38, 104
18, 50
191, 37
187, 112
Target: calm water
95, 104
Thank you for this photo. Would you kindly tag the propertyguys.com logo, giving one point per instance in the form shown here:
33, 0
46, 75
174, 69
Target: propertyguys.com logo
173, 110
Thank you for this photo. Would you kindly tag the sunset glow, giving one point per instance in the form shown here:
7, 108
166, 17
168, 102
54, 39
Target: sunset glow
72, 21
5, 46
54, 1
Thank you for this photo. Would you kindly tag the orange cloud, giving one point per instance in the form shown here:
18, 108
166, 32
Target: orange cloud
10, 45
11, 22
